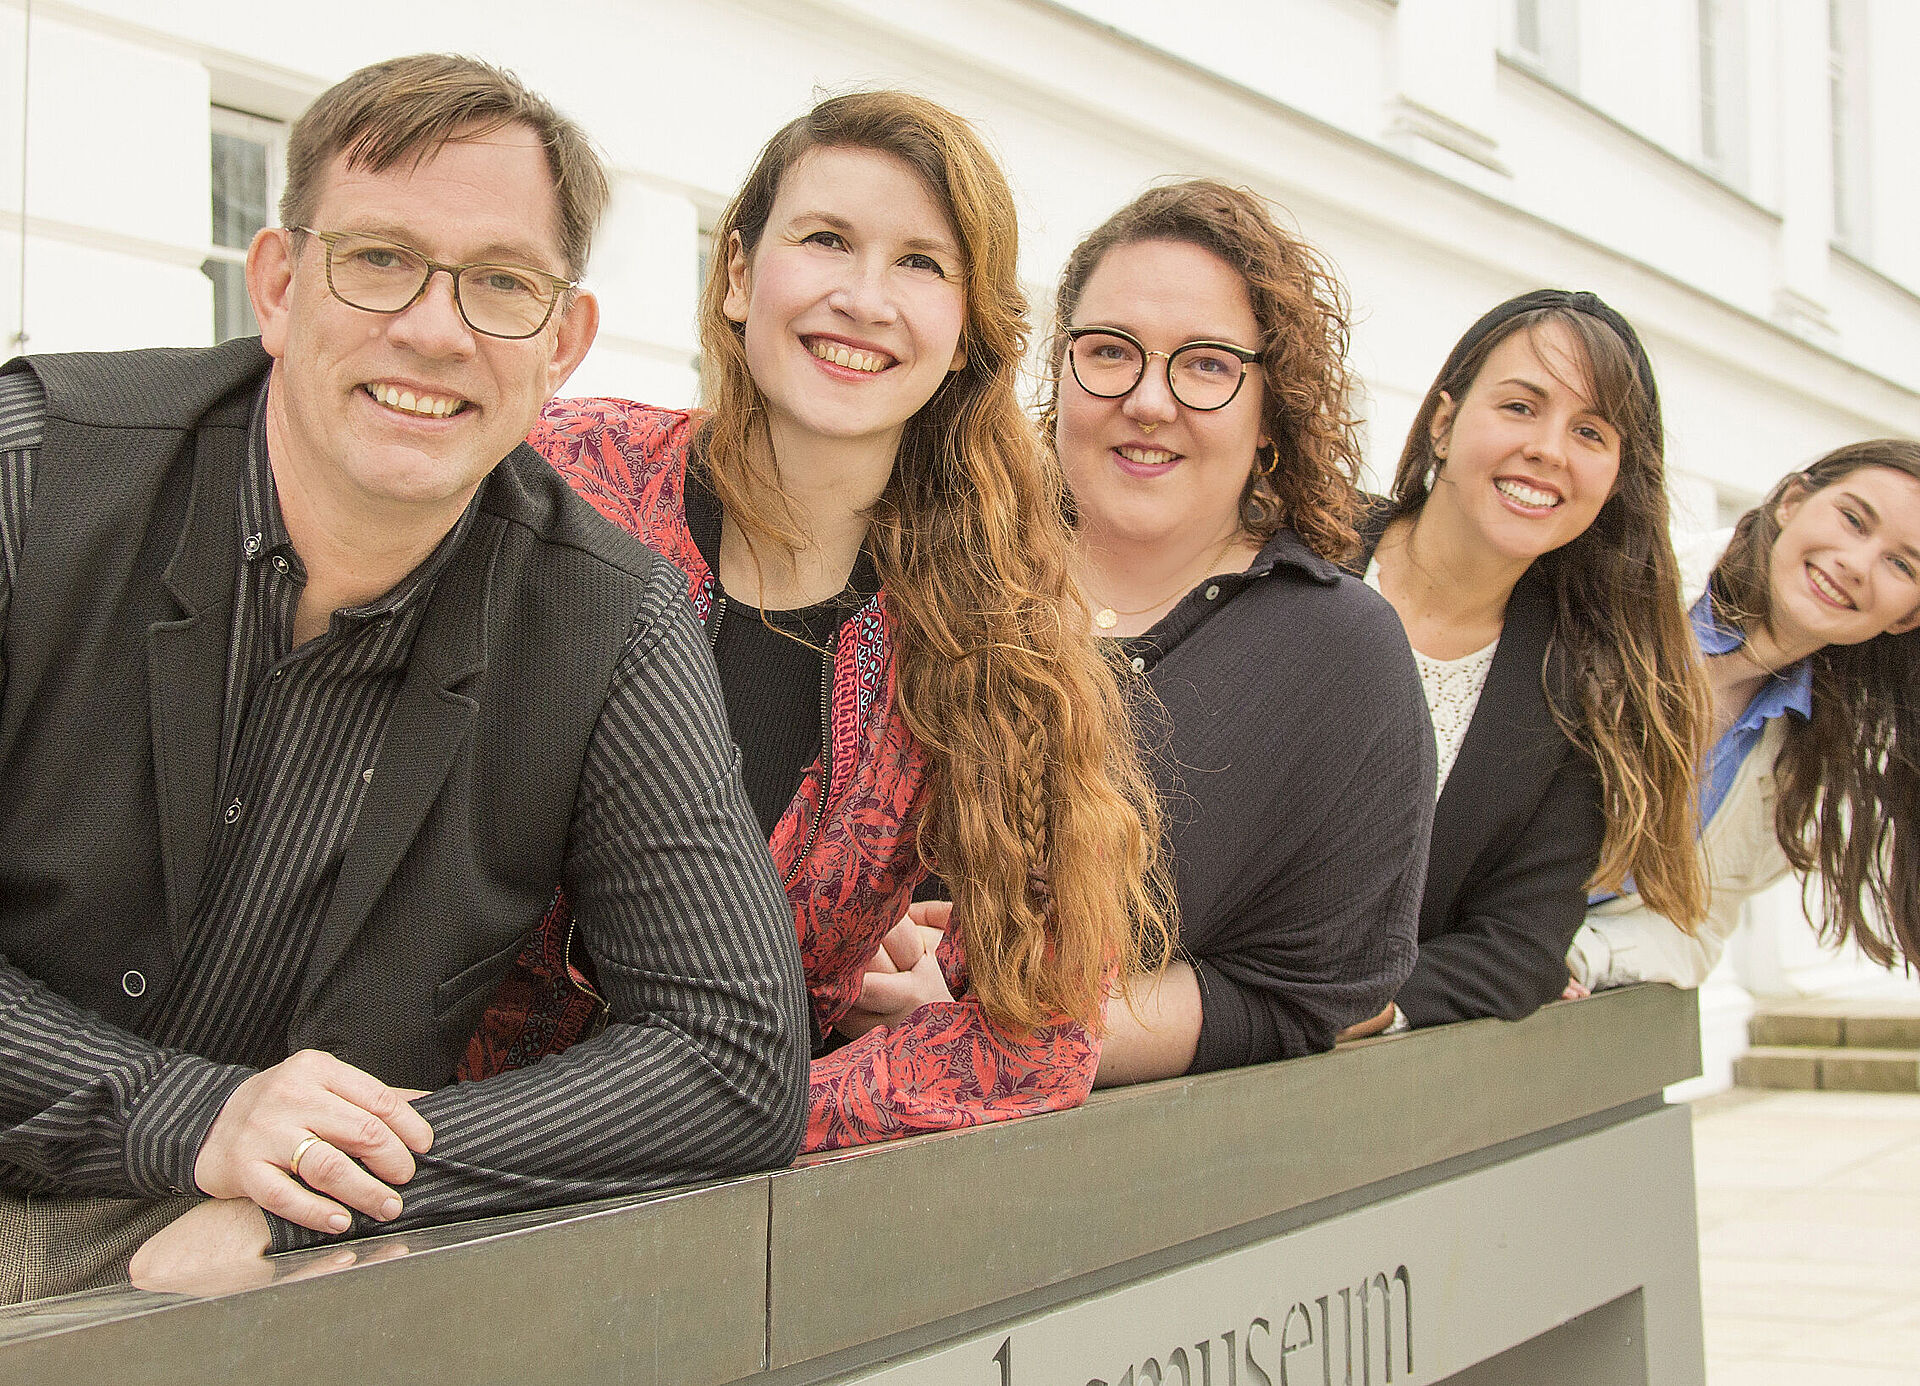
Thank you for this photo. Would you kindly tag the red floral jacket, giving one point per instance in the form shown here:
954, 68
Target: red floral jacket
850, 867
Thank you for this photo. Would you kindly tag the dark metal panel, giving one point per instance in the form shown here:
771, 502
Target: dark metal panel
882, 1240
676, 1289
671, 1290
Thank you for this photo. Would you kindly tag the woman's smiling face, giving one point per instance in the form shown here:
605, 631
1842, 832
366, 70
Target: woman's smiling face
1526, 461
853, 301
1144, 468
1846, 566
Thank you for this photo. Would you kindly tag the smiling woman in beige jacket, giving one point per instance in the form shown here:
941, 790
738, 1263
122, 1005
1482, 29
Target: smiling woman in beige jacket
1808, 631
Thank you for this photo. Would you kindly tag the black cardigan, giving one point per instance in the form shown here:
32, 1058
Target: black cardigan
1516, 835
1290, 744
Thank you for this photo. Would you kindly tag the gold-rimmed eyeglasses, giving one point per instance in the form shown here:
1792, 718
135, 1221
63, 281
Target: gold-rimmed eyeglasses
1109, 363
377, 275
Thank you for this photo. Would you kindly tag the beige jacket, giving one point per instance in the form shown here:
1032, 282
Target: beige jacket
1624, 941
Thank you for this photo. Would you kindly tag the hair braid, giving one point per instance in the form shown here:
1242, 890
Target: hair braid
1039, 816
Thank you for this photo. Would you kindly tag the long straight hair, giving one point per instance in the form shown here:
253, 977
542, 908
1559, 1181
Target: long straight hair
1621, 675
1041, 819
1847, 779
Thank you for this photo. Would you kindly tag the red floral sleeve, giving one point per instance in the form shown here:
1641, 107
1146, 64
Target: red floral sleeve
945, 1066
845, 847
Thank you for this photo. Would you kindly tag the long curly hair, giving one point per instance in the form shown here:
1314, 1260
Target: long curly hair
1300, 306
1621, 674
1847, 779
1041, 819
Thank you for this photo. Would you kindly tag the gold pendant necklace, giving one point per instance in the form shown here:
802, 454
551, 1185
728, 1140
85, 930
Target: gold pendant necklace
1107, 617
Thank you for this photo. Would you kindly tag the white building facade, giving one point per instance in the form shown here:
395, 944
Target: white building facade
1730, 174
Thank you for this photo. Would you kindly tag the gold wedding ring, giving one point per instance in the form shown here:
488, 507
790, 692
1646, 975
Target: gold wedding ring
293, 1165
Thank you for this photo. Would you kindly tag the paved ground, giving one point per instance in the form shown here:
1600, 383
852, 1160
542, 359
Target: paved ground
1809, 1237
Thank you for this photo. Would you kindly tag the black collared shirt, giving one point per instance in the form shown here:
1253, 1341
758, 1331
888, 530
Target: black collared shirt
1288, 737
301, 735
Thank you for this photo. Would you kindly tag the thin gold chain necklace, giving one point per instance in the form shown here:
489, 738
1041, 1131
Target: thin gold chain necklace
1107, 617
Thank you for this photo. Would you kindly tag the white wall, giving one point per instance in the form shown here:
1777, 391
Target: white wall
1439, 175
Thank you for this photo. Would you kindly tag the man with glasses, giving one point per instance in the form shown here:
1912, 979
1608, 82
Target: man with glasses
316, 684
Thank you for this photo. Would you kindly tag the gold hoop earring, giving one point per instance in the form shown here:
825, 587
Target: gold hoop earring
1273, 458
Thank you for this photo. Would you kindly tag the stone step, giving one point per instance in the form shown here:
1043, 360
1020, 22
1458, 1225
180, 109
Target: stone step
1839, 1023
1850, 1069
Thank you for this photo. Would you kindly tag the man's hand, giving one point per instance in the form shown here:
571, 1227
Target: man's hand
220, 1246
215, 1247
367, 1133
904, 973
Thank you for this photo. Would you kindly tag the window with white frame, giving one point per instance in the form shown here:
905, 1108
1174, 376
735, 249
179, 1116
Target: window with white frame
1723, 89
1847, 103
247, 154
1542, 35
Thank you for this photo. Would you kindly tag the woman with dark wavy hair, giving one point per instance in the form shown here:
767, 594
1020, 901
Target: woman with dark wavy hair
1200, 406
1810, 628
872, 535
1525, 550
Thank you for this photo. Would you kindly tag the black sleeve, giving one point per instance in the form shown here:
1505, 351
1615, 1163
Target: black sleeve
1331, 936
1505, 953
1301, 864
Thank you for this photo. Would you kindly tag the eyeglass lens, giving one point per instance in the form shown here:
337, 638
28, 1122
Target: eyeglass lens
380, 277
1201, 377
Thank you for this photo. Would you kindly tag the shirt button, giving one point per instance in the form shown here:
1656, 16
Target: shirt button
279, 563
279, 674
1213, 590
1139, 664
233, 812
133, 983
252, 545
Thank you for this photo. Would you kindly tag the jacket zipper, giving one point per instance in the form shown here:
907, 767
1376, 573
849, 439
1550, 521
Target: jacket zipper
575, 978
826, 758
826, 729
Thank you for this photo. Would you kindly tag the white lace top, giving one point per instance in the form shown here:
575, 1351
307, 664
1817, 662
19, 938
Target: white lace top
1453, 691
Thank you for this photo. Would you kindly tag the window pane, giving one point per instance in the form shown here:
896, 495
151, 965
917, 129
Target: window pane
241, 194
239, 189
1526, 28
232, 312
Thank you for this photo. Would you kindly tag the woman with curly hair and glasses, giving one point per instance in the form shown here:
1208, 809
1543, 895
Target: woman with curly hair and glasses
1810, 628
1200, 410
1525, 550
872, 535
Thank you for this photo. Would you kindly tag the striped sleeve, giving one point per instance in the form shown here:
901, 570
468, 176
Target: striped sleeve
23, 412
703, 1072
85, 1105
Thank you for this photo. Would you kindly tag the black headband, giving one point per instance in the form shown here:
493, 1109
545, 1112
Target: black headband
1578, 301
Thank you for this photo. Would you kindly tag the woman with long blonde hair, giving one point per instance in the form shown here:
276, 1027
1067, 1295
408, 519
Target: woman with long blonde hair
873, 537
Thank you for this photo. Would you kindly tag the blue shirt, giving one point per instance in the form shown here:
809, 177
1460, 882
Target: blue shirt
1788, 690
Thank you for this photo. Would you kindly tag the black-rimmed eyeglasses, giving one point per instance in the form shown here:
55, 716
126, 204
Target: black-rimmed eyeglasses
381, 276
1109, 363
